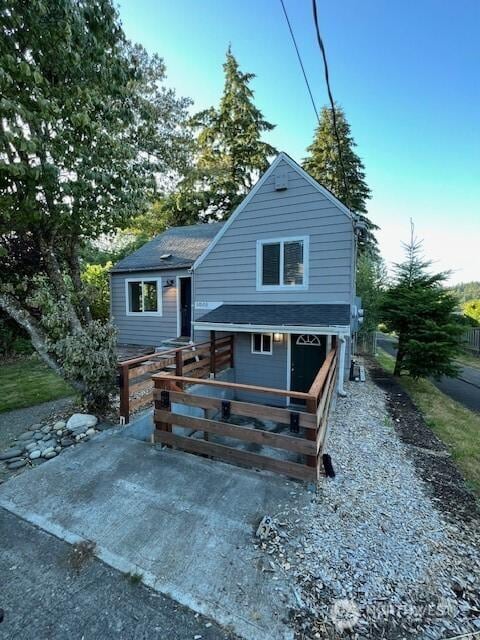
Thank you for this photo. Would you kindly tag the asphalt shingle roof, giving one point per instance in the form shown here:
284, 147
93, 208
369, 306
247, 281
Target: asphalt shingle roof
287, 315
185, 244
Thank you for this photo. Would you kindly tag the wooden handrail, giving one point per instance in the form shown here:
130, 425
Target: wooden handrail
157, 354
161, 378
317, 384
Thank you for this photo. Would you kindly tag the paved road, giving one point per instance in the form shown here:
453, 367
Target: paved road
45, 598
464, 389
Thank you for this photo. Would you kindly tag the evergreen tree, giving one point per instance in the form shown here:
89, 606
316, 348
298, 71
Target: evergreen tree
422, 313
230, 152
324, 164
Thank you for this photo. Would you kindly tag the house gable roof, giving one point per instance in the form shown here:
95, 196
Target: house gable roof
282, 156
182, 245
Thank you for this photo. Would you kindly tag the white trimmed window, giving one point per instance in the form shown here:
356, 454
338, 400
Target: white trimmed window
262, 343
143, 297
282, 264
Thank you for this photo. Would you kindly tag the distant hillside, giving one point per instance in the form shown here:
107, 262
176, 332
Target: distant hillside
466, 291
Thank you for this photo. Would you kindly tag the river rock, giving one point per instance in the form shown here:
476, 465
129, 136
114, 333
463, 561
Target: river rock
60, 424
46, 451
25, 436
49, 455
14, 452
58, 448
59, 432
81, 421
38, 435
67, 442
35, 427
17, 464
31, 446
90, 432
35, 454
46, 429
51, 443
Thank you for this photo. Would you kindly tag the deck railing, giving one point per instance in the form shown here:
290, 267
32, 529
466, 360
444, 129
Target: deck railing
306, 425
193, 360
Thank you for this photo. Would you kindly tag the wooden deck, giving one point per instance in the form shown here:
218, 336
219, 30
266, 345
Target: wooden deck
135, 374
306, 427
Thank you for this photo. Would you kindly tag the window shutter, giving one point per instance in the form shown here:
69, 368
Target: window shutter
271, 264
293, 263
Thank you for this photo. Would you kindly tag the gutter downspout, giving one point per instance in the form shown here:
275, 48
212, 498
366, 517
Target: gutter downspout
341, 369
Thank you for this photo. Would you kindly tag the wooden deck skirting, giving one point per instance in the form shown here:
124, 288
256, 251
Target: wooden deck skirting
135, 375
307, 427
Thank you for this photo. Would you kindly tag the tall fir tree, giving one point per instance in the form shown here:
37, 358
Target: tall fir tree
422, 313
325, 165
230, 152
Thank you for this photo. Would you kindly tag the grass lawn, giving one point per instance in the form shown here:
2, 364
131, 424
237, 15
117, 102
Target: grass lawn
29, 381
455, 425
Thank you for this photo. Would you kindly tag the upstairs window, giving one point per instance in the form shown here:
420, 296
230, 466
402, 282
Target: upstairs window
282, 264
144, 296
262, 343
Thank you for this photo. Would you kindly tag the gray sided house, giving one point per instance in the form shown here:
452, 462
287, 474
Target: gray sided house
279, 275
151, 289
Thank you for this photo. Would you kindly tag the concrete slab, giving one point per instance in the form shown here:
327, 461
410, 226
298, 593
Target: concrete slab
186, 523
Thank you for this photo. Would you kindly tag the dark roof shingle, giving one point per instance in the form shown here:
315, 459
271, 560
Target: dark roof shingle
183, 244
280, 315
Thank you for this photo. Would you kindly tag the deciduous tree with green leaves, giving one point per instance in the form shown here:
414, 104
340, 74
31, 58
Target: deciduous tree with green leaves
471, 310
85, 127
421, 312
325, 165
230, 153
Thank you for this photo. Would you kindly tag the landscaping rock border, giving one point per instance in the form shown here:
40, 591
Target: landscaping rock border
42, 442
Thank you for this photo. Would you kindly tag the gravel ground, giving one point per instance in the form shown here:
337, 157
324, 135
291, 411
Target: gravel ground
372, 556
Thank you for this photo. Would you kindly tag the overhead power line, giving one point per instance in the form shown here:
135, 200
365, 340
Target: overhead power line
300, 59
330, 96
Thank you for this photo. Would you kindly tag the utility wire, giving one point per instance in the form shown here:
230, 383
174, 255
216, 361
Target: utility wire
300, 59
330, 96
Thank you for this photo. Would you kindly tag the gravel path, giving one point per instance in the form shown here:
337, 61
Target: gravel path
372, 552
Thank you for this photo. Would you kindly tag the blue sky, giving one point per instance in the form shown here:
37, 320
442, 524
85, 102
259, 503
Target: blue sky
407, 75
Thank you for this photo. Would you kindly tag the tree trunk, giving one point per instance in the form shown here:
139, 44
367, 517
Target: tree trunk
74, 267
39, 340
55, 274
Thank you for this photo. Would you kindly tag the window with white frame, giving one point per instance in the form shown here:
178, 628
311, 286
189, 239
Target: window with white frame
144, 296
262, 343
282, 263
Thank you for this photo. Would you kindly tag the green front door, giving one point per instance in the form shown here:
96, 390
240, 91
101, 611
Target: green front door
308, 354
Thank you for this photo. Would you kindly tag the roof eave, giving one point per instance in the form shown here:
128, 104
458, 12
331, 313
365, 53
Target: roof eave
272, 328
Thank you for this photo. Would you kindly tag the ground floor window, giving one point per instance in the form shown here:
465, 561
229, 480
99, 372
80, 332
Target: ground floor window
144, 296
262, 343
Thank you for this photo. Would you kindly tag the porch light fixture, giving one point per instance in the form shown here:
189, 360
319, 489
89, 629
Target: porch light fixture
170, 283
277, 337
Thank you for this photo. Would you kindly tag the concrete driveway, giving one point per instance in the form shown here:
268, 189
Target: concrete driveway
185, 523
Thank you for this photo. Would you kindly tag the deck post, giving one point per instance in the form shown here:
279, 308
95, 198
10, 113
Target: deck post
178, 363
124, 393
212, 354
311, 434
